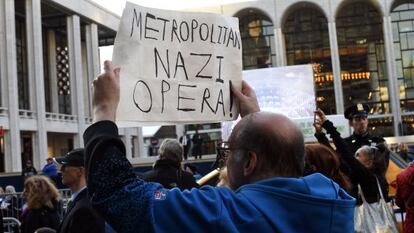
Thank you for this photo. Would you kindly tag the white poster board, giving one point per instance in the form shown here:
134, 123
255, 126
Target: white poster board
176, 66
289, 91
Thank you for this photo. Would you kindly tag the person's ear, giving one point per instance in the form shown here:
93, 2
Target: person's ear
81, 171
250, 164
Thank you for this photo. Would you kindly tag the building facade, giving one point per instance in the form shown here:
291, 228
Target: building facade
49, 55
360, 51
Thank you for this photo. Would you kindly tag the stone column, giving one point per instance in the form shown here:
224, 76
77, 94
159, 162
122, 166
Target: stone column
280, 47
393, 88
8, 69
36, 76
51, 50
76, 75
140, 144
92, 50
336, 68
127, 141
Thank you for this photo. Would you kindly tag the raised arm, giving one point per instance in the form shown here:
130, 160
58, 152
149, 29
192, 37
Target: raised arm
115, 192
320, 135
342, 147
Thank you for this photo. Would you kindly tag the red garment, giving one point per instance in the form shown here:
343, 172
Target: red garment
405, 186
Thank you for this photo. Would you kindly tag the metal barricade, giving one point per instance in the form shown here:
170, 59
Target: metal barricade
12, 205
11, 225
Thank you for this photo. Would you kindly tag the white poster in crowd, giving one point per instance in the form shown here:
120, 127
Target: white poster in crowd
306, 125
176, 66
289, 91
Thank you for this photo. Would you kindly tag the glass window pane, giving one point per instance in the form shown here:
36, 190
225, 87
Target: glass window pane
410, 39
406, 15
403, 41
382, 126
405, 26
408, 58
399, 69
257, 40
404, 58
397, 50
362, 51
307, 42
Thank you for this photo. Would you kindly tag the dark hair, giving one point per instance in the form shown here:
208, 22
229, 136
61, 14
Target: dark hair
381, 158
379, 154
280, 149
326, 162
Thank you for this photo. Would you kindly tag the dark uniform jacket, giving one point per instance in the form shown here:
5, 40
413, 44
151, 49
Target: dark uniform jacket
169, 174
358, 174
356, 141
81, 217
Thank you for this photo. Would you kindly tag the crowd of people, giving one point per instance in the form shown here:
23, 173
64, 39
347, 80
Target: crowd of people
269, 180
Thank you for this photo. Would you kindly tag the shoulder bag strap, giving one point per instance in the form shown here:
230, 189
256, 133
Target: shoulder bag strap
379, 188
361, 193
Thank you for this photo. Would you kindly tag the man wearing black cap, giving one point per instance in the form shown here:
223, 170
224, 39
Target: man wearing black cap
79, 215
358, 120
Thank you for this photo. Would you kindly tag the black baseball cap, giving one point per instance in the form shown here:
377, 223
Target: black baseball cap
73, 158
357, 110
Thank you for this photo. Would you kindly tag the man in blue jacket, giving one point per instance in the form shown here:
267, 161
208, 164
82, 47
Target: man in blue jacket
265, 164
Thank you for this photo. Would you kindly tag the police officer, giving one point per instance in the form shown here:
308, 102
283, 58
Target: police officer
358, 120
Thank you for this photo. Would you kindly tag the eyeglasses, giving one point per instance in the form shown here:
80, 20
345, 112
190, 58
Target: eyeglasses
223, 152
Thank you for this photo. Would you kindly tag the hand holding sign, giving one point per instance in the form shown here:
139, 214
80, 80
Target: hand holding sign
247, 99
106, 94
176, 66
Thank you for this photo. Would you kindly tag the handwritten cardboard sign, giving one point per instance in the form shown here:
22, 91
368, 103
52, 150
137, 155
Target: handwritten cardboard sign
176, 66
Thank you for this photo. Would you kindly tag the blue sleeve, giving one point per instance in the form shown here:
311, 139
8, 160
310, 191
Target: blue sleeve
116, 193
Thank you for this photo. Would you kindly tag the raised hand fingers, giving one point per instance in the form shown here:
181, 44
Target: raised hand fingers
108, 66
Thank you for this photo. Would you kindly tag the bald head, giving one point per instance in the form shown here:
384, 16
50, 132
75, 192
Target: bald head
275, 139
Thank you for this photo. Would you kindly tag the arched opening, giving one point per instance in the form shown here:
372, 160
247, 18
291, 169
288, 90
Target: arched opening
256, 30
307, 42
402, 17
362, 57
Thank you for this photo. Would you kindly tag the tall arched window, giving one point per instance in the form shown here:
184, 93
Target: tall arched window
363, 65
257, 36
307, 42
21, 57
402, 16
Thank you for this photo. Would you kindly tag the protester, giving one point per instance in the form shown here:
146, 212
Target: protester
319, 158
197, 144
167, 169
11, 203
264, 165
357, 116
79, 217
185, 141
42, 204
367, 165
50, 170
404, 197
28, 170
402, 150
